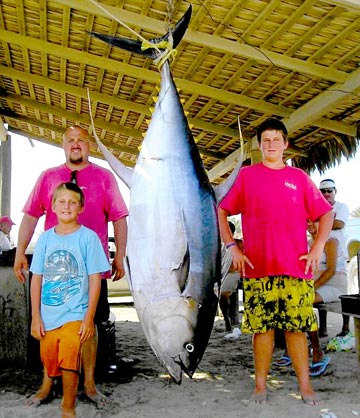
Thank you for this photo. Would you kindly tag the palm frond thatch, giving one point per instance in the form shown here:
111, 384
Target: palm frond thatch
327, 154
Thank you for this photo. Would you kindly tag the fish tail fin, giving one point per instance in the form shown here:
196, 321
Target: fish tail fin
154, 47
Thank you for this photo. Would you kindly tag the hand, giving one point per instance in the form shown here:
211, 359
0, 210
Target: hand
87, 330
21, 265
118, 271
239, 260
37, 328
312, 259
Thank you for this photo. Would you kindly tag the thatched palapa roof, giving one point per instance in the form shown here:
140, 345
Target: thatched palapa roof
297, 60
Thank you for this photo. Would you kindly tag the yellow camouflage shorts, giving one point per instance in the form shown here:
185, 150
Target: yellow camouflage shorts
282, 302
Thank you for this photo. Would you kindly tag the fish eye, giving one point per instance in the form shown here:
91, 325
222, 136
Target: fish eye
189, 347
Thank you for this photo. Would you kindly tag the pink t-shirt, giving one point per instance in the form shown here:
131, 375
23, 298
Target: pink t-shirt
275, 206
103, 200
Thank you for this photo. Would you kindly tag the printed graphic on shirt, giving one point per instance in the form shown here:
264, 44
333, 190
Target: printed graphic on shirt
62, 278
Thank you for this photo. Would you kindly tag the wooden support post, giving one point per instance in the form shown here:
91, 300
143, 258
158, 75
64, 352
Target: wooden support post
357, 337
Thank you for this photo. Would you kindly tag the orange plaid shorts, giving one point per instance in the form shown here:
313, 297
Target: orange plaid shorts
60, 349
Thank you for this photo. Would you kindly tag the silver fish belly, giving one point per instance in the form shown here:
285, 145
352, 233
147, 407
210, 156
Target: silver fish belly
173, 239
173, 248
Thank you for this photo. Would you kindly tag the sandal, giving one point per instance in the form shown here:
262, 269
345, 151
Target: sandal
317, 369
283, 361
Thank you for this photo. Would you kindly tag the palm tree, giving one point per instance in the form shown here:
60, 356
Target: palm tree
355, 213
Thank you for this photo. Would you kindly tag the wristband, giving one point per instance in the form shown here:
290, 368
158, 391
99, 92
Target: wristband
230, 245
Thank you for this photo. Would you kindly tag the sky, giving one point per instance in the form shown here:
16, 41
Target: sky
28, 161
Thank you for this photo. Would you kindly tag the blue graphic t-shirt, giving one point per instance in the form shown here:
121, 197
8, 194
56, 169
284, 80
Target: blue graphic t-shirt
65, 262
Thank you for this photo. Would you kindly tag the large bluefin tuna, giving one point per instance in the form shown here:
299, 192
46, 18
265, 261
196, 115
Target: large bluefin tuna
173, 247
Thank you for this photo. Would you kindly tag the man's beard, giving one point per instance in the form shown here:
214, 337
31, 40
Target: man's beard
76, 161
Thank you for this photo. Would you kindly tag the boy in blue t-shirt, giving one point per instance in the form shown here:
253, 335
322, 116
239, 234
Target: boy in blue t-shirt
67, 265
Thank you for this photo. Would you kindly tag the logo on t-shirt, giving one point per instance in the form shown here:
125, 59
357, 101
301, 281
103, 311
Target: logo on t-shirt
290, 185
61, 279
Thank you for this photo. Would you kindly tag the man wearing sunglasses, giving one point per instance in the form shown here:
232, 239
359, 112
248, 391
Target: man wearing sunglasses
341, 210
341, 215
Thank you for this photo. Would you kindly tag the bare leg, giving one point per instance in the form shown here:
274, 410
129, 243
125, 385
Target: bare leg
44, 393
318, 354
70, 387
224, 306
88, 361
345, 327
322, 323
263, 345
234, 308
298, 351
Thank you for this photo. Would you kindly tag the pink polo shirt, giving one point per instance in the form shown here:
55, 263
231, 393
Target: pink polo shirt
103, 200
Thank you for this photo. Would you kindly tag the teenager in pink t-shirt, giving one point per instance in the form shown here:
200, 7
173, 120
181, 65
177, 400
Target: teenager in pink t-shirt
275, 201
103, 204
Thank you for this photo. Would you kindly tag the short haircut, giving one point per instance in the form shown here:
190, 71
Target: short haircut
271, 124
73, 188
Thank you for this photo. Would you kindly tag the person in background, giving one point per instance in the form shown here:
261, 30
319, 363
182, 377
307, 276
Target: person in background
229, 286
67, 265
104, 204
329, 283
6, 224
341, 216
275, 202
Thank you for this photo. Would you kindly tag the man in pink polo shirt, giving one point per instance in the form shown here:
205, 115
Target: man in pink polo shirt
103, 204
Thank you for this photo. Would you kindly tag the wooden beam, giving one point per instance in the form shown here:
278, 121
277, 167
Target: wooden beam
85, 119
141, 73
345, 4
323, 103
108, 100
213, 42
310, 113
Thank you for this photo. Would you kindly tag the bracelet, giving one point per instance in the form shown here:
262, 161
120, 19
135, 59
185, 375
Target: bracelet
230, 245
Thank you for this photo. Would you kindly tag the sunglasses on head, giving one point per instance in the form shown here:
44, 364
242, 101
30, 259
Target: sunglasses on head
323, 191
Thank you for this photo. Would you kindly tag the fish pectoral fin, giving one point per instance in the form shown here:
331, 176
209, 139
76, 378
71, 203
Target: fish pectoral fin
184, 271
120, 169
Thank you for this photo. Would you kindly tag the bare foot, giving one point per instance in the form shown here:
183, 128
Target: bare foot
256, 398
98, 398
259, 398
310, 399
43, 395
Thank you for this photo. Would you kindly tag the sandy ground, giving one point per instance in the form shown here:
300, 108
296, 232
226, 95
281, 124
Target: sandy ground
220, 388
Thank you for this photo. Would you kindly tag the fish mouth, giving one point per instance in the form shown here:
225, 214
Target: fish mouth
177, 360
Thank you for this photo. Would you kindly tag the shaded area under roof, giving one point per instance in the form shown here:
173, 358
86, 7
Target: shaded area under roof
296, 60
